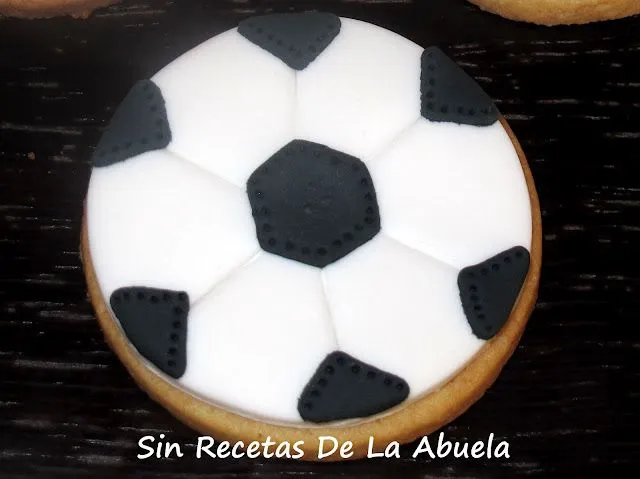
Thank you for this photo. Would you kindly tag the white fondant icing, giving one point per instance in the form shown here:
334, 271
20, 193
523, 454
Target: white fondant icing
230, 105
258, 337
361, 91
455, 192
399, 310
155, 220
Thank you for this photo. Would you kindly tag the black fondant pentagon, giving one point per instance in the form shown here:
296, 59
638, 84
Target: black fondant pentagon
447, 93
155, 321
138, 125
344, 387
295, 38
489, 290
313, 204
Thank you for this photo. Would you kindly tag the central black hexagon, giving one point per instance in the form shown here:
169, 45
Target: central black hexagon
313, 204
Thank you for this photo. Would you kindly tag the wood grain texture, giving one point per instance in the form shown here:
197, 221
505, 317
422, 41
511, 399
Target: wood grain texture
567, 400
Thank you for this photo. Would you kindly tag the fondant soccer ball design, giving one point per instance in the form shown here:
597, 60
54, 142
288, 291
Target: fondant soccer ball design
308, 218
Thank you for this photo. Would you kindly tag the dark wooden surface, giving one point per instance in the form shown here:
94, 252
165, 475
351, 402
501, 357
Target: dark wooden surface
568, 401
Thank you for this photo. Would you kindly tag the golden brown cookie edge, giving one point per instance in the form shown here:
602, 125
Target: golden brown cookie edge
560, 12
50, 8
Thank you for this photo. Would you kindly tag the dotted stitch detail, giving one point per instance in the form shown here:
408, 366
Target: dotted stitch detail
177, 324
356, 369
159, 133
291, 53
284, 48
474, 293
266, 229
428, 84
433, 106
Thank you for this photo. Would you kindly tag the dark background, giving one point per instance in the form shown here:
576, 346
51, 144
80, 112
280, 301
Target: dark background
568, 400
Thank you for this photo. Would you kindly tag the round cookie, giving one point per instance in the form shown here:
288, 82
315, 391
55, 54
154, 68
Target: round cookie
560, 12
50, 8
311, 226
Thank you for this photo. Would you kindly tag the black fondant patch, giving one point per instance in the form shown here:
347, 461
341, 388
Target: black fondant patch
488, 290
295, 38
313, 204
344, 388
138, 125
447, 93
155, 321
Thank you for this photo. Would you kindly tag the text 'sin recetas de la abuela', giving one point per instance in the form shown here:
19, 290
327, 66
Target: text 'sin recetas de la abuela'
328, 447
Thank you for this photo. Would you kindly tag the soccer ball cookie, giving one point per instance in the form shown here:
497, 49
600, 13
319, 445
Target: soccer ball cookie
309, 225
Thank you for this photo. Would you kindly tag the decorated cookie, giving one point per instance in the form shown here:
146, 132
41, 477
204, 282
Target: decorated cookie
561, 12
310, 225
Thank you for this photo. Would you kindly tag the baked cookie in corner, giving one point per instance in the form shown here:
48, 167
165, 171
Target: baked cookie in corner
50, 8
560, 12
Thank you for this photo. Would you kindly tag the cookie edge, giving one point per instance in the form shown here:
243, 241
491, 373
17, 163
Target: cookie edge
558, 12
32, 9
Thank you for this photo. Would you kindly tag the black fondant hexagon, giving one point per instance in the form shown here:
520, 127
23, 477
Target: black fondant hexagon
344, 387
155, 321
313, 204
295, 38
489, 290
139, 125
447, 93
